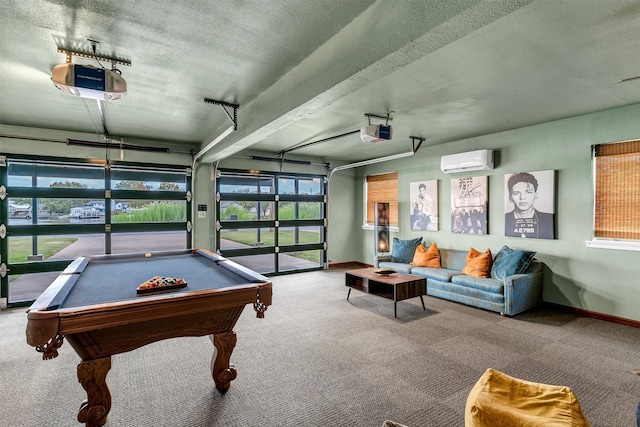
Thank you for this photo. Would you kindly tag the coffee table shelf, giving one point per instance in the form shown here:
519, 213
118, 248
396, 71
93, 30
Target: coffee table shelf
396, 286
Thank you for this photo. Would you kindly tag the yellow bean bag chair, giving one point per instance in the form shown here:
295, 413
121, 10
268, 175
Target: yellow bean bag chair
498, 400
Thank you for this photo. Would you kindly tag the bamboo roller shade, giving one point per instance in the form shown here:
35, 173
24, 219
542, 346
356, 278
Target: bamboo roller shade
617, 199
383, 188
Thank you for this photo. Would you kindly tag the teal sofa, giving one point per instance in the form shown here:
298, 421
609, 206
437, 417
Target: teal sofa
512, 295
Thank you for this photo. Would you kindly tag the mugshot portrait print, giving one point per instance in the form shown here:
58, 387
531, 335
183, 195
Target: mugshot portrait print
529, 205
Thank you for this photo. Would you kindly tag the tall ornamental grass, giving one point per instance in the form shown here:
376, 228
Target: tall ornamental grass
153, 212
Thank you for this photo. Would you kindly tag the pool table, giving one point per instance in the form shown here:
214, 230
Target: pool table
93, 304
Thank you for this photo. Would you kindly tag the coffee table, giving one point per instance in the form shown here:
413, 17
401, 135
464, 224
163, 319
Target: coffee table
395, 286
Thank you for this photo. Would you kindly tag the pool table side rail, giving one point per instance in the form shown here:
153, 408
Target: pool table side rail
141, 255
244, 272
55, 293
233, 266
43, 325
77, 265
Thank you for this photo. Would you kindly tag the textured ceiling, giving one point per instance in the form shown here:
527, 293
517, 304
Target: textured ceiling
305, 70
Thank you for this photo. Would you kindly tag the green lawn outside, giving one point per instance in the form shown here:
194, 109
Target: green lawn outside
20, 247
154, 212
286, 237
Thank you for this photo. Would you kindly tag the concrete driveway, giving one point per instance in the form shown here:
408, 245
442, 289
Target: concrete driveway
29, 286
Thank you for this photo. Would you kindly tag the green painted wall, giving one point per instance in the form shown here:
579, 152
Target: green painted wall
601, 280
345, 200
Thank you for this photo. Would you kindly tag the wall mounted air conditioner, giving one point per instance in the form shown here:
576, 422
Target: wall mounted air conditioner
466, 162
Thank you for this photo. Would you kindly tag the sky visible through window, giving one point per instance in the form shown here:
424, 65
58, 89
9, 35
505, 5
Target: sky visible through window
46, 182
286, 186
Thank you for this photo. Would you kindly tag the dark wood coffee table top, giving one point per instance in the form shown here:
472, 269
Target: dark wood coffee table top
395, 286
392, 279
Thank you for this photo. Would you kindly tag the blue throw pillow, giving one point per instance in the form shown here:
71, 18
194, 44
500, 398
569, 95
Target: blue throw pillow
510, 261
403, 250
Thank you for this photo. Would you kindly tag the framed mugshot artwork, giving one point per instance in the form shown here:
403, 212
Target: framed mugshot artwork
469, 204
424, 205
529, 204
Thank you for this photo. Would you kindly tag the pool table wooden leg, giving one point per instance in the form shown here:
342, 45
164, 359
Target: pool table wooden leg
222, 371
92, 374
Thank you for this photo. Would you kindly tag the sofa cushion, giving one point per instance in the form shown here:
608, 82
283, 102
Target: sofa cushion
488, 284
442, 274
478, 263
467, 294
424, 257
511, 261
403, 250
453, 259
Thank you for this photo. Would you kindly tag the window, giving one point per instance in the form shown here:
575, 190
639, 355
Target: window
383, 188
271, 222
62, 208
617, 195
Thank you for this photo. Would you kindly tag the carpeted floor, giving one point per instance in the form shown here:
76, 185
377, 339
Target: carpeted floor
319, 360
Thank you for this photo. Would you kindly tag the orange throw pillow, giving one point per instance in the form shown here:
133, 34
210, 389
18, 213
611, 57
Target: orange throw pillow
478, 264
424, 257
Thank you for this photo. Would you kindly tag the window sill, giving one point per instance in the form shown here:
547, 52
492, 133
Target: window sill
623, 245
393, 228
